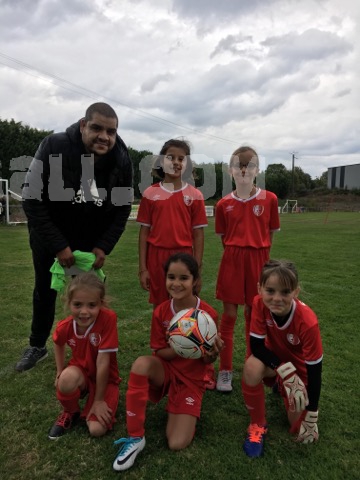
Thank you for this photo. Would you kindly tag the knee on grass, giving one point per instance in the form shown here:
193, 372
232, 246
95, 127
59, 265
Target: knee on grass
96, 429
178, 443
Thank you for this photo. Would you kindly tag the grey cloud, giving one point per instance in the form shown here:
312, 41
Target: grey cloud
343, 93
312, 44
213, 9
233, 44
26, 17
151, 83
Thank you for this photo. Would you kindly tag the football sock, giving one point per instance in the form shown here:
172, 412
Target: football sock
254, 398
247, 316
227, 325
137, 396
70, 401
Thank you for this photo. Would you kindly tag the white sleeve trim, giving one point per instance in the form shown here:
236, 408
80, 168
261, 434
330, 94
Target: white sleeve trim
199, 226
252, 334
108, 350
314, 362
144, 224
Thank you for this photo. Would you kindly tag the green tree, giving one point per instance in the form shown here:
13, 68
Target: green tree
141, 161
278, 180
321, 182
302, 182
17, 140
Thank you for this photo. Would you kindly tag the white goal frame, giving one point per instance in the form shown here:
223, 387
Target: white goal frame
292, 204
9, 193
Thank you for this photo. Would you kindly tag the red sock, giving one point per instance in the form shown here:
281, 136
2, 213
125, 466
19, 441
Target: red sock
70, 401
137, 396
254, 398
227, 325
247, 316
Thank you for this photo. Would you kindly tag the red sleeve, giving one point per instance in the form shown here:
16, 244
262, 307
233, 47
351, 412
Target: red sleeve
60, 334
109, 335
220, 225
198, 213
274, 215
144, 212
257, 324
158, 329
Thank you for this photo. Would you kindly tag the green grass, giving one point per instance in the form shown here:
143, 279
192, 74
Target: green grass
325, 249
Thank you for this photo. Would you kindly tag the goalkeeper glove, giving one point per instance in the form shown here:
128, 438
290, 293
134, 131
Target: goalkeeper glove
308, 432
294, 387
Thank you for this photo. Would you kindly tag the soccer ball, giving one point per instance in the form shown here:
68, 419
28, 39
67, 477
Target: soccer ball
192, 332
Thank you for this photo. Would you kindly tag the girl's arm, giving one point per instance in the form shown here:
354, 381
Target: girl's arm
143, 272
99, 407
166, 353
216, 348
198, 250
59, 351
198, 244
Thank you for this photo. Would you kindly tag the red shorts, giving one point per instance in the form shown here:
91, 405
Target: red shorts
111, 397
182, 399
239, 274
155, 261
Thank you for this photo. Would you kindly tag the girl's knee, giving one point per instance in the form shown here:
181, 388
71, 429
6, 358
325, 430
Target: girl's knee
176, 442
254, 371
96, 429
70, 379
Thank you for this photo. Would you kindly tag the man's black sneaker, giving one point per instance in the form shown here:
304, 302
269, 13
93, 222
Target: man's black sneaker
30, 358
63, 423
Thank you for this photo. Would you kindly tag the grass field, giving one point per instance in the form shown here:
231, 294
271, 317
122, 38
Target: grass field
325, 248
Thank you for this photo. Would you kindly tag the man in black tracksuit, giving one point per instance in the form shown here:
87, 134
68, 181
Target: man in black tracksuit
77, 196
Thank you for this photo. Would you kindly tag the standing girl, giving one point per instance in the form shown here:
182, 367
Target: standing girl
91, 333
166, 373
286, 348
246, 219
172, 218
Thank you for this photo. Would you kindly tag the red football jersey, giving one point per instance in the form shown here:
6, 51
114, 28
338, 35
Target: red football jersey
247, 223
172, 215
298, 341
192, 369
101, 336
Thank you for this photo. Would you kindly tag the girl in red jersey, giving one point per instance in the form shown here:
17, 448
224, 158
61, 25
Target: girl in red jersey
166, 373
286, 349
172, 218
246, 219
91, 333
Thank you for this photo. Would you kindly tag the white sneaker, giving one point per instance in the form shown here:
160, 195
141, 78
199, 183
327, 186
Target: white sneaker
224, 380
131, 447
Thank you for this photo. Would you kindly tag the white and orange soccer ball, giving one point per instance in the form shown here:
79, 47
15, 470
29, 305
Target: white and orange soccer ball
191, 333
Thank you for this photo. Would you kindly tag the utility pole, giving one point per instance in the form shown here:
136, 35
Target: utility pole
293, 174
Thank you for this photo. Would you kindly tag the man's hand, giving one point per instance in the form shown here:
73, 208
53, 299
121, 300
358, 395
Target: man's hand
66, 257
294, 387
100, 257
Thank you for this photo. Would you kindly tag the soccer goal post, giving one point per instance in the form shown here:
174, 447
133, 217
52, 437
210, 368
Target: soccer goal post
290, 205
11, 208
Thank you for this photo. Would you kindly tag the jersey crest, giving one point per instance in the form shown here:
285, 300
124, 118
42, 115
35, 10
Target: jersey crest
188, 200
293, 339
95, 339
258, 210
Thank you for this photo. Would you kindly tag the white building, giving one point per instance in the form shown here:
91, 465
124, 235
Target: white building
346, 176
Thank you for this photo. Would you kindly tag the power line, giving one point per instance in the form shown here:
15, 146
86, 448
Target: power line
73, 87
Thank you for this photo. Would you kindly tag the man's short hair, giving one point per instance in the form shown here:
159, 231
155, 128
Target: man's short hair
101, 108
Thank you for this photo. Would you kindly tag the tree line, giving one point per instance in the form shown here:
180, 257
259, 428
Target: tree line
18, 144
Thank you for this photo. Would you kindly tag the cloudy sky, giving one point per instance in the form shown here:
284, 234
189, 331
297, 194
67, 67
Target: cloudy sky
280, 75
